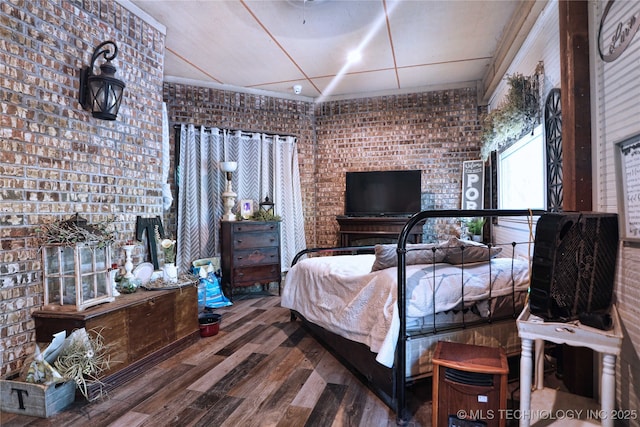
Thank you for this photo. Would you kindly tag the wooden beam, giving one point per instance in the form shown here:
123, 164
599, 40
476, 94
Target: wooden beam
576, 108
513, 36
576, 154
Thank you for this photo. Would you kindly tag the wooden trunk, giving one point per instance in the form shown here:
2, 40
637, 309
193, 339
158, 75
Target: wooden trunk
139, 328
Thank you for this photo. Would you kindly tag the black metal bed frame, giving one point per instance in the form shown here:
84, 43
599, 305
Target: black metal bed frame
390, 384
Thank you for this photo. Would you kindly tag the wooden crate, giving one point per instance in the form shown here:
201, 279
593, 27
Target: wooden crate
36, 400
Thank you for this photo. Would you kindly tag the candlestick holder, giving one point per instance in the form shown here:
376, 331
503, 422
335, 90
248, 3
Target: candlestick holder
128, 262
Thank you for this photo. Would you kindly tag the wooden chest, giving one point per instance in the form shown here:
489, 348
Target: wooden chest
140, 328
250, 254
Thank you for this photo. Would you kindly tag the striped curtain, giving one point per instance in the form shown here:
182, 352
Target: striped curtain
267, 167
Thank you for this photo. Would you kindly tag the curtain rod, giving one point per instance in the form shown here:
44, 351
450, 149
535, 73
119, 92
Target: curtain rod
242, 132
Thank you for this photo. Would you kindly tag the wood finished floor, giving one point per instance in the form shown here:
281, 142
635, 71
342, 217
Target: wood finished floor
261, 369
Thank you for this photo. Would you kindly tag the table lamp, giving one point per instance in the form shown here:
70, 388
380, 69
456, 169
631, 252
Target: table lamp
228, 196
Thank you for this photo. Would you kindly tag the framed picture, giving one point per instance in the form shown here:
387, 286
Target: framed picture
628, 171
246, 208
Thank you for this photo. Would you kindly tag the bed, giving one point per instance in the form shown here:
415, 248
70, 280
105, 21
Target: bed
381, 309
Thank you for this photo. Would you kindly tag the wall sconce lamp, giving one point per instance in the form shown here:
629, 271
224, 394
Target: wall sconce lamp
228, 196
101, 94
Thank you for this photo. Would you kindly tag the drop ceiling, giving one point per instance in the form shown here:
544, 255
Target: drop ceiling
274, 45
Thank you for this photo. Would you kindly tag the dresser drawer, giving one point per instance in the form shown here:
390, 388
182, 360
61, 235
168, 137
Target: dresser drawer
247, 276
256, 257
254, 240
254, 226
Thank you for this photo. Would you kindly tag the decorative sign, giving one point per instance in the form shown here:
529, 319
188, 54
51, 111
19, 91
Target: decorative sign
473, 184
629, 191
614, 37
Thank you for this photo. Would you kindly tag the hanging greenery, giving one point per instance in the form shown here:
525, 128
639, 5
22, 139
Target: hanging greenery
516, 116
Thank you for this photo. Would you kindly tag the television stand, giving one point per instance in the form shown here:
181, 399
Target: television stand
370, 230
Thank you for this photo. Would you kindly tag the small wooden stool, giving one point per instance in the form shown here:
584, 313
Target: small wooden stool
469, 385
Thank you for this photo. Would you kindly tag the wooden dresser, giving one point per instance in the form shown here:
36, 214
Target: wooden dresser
140, 328
250, 252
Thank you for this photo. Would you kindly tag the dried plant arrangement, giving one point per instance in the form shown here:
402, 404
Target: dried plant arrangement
75, 230
83, 359
517, 114
168, 246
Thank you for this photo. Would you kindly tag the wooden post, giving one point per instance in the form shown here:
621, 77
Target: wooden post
576, 105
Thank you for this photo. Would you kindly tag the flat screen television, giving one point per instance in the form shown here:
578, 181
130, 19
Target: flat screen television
383, 193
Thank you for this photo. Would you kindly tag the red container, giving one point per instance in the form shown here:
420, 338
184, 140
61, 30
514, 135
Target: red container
209, 324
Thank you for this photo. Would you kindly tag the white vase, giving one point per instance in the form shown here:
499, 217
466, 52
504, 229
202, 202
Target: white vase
170, 272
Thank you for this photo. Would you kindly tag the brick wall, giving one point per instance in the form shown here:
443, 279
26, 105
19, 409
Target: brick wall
55, 159
431, 131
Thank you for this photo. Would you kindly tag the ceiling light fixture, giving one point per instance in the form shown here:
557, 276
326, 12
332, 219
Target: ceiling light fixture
101, 94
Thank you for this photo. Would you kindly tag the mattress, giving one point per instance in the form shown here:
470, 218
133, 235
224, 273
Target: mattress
342, 294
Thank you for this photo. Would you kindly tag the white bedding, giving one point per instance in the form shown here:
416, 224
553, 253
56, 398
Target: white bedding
342, 295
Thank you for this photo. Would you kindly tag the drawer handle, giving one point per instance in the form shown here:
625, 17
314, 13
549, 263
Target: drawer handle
239, 240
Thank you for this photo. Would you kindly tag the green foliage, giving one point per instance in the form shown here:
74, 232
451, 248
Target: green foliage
262, 215
475, 226
516, 116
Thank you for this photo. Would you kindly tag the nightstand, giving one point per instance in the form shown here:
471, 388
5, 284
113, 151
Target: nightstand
534, 329
250, 254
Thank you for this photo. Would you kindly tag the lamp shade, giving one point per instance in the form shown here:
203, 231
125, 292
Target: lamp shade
228, 166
